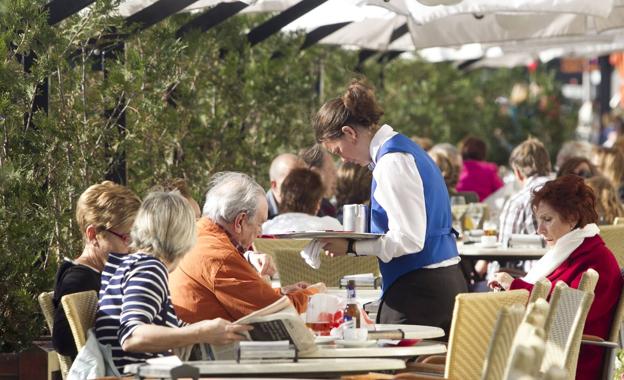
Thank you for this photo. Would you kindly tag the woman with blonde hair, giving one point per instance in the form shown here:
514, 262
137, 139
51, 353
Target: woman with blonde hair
610, 163
608, 204
104, 214
135, 315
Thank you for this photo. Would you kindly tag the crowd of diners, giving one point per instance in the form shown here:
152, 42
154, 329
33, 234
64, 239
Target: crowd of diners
171, 273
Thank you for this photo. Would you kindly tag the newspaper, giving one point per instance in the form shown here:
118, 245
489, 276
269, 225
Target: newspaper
278, 321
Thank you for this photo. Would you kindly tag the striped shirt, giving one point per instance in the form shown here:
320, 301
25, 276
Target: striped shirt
517, 216
134, 292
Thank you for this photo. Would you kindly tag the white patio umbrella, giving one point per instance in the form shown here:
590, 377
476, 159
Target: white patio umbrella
502, 28
421, 14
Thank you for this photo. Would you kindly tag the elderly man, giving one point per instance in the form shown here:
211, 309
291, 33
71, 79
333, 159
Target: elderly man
214, 280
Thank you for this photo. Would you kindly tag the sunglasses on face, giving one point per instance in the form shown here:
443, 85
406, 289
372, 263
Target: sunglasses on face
124, 237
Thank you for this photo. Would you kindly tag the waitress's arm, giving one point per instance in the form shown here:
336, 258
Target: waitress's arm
401, 193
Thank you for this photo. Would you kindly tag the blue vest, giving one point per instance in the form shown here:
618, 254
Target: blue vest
440, 242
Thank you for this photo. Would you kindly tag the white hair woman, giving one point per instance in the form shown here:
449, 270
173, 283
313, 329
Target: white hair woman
215, 279
135, 316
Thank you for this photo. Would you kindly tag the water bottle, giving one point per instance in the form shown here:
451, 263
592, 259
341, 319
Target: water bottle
493, 267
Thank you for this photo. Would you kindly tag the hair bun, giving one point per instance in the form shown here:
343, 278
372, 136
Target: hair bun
359, 100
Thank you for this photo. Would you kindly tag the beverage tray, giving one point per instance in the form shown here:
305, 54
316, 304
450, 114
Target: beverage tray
325, 235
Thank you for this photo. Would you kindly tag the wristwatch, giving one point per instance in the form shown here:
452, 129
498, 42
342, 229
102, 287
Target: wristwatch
351, 248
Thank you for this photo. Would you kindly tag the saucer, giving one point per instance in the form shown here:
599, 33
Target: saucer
491, 245
356, 343
324, 339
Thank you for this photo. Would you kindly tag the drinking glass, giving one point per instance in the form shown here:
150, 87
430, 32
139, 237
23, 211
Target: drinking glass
475, 213
458, 210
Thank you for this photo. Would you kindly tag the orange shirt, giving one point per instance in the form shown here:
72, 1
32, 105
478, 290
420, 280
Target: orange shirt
214, 280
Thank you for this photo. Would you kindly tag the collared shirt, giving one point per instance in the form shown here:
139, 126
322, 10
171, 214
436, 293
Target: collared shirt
400, 192
239, 247
517, 215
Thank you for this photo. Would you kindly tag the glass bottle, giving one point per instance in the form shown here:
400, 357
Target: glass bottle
352, 311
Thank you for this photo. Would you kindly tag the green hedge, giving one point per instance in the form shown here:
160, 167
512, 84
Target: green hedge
194, 106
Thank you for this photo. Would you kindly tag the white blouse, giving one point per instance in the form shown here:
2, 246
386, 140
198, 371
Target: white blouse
400, 192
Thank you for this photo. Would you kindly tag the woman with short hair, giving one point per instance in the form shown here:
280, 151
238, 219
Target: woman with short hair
566, 217
104, 214
135, 315
302, 193
580, 166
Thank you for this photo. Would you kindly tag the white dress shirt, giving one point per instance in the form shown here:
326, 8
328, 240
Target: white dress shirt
401, 193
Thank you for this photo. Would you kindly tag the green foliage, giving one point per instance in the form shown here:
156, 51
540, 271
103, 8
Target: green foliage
194, 105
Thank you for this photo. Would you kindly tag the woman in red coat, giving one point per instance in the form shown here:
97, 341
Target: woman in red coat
566, 217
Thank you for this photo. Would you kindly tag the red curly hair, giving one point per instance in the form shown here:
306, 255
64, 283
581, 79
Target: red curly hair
569, 196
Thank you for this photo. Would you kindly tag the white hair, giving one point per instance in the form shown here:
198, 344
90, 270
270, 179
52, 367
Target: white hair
164, 226
229, 194
573, 148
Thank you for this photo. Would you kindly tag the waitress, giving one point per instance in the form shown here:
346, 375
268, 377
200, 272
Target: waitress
417, 255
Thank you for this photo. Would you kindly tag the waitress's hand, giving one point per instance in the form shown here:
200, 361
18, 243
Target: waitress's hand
501, 280
335, 247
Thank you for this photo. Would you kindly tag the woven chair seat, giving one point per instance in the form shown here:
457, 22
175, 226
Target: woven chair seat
80, 309
47, 307
292, 268
613, 237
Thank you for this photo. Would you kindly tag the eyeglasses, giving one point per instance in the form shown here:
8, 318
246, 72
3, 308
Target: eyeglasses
124, 237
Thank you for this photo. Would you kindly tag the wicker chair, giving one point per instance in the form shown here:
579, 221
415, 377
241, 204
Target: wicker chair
292, 268
541, 289
47, 307
615, 338
564, 327
509, 318
529, 339
80, 310
474, 317
613, 238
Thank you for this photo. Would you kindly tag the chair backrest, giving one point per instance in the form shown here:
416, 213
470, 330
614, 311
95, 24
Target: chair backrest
569, 309
525, 358
474, 317
529, 336
612, 236
541, 289
47, 307
509, 318
292, 267
80, 310
618, 220
618, 318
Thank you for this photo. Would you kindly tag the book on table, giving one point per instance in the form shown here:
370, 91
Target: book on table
277, 322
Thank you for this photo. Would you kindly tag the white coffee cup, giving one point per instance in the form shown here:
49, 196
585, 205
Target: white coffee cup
488, 241
360, 334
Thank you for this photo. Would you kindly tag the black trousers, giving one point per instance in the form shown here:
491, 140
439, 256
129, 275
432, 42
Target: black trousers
423, 297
